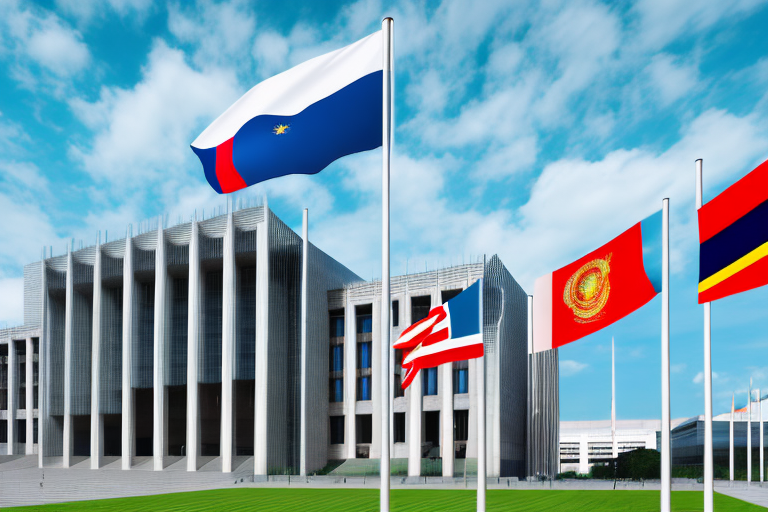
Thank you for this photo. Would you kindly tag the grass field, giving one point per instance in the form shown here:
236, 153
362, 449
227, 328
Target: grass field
308, 500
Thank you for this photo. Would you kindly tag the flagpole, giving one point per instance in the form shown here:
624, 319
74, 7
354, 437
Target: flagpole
614, 445
481, 451
749, 434
304, 271
730, 450
666, 456
387, 32
760, 412
709, 482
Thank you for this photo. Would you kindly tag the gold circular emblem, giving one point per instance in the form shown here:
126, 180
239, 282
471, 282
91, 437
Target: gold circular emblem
586, 291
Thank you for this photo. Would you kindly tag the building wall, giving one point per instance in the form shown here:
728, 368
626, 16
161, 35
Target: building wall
505, 337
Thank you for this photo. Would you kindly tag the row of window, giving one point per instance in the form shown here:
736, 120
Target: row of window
420, 307
428, 383
364, 431
21, 431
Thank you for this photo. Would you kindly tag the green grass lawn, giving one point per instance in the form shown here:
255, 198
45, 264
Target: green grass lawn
307, 500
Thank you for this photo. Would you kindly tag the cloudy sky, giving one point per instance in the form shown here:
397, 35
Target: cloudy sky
537, 132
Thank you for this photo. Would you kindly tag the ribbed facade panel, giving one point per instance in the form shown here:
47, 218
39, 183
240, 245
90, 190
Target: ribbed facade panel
544, 414
324, 273
283, 409
82, 328
33, 295
506, 340
111, 353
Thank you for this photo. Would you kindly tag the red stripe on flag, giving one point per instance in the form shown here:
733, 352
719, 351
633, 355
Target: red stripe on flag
753, 276
733, 203
229, 179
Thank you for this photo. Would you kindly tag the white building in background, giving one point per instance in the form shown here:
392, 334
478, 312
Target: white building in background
584, 443
181, 346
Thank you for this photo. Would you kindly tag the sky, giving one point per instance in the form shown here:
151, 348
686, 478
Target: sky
536, 131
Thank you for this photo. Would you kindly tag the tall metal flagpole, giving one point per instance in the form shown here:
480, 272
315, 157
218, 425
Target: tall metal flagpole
387, 32
709, 473
749, 434
614, 445
760, 412
730, 449
666, 455
304, 281
481, 449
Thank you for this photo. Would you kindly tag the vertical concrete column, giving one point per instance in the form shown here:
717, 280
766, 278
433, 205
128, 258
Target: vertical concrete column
159, 444
13, 393
193, 326
97, 424
413, 394
128, 433
42, 366
68, 321
446, 419
350, 379
376, 379
584, 454
262, 339
30, 405
227, 344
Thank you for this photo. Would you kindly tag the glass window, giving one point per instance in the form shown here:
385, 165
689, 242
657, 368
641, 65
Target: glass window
336, 322
447, 295
461, 425
364, 324
420, 307
399, 427
364, 355
364, 388
395, 313
337, 358
336, 389
460, 377
364, 428
429, 382
337, 429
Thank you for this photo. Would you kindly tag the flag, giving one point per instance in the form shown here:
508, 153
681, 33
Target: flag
451, 332
600, 288
299, 121
733, 238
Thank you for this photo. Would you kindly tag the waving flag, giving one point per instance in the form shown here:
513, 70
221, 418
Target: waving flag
299, 121
451, 332
733, 236
600, 288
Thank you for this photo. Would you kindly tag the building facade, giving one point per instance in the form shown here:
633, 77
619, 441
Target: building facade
586, 443
183, 344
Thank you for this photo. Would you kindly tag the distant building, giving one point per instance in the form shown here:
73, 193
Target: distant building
586, 443
181, 345
688, 438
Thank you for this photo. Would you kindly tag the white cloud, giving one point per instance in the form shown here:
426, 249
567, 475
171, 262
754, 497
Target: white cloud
670, 79
11, 302
678, 368
39, 36
569, 367
142, 135
86, 10
220, 32
663, 21
699, 378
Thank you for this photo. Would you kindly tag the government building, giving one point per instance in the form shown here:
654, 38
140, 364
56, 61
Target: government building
188, 346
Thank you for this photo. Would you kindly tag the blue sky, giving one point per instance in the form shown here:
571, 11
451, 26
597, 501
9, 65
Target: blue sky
536, 131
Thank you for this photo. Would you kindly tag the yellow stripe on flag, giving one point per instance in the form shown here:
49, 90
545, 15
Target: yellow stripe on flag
735, 267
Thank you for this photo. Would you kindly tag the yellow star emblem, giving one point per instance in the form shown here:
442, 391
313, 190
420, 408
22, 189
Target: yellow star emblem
281, 129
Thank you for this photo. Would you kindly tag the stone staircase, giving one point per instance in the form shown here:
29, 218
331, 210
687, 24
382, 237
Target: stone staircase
23, 483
